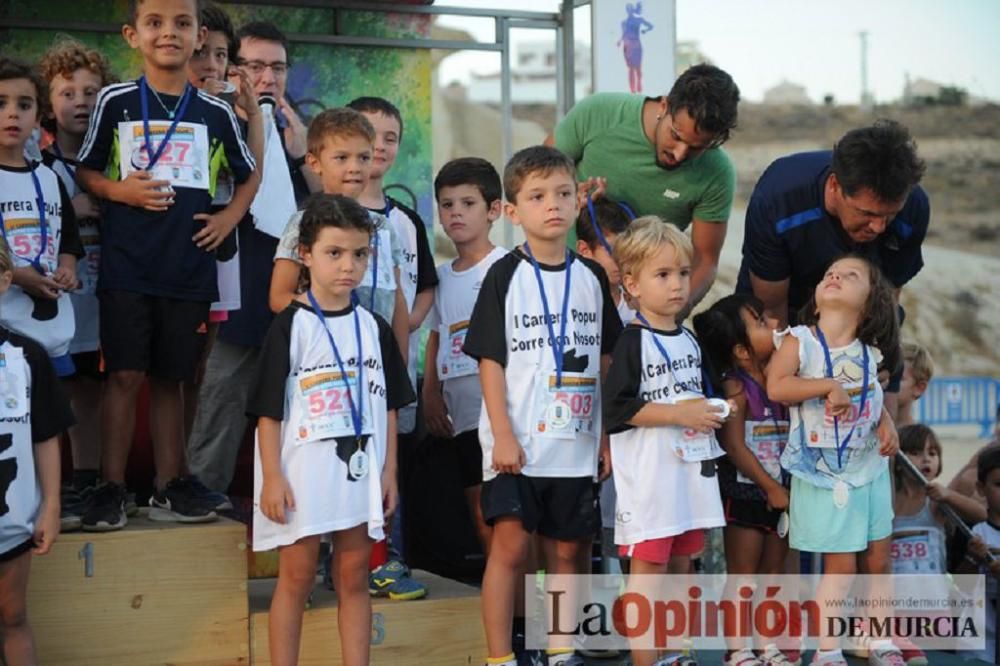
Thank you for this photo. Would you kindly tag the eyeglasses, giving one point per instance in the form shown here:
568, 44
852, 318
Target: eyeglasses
257, 67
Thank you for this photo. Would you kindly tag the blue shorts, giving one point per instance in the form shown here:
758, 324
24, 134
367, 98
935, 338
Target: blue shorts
818, 526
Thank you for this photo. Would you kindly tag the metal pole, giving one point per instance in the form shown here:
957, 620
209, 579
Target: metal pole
866, 100
567, 82
506, 110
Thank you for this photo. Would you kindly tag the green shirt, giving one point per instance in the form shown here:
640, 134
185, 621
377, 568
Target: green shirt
603, 134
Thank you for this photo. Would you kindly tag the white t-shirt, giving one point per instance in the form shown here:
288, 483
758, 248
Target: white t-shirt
454, 298
299, 384
50, 322
659, 493
508, 326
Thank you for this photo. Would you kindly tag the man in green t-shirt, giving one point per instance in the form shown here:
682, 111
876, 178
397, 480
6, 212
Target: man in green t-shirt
662, 156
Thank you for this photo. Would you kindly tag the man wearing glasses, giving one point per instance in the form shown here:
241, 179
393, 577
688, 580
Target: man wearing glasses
662, 156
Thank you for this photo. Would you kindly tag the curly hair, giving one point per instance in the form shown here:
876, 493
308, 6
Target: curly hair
878, 325
67, 55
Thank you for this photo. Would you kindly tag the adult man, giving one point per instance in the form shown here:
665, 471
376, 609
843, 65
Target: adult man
810, 208
662, 156
220, 422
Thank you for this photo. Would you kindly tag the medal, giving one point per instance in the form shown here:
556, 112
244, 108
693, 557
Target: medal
558, 414
782, 528
840, 494
358, 464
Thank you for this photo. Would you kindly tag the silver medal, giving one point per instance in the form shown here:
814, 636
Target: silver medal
358, 464
782, 528
558, 414
840, 494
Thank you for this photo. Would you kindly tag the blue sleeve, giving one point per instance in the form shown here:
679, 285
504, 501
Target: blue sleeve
763, 250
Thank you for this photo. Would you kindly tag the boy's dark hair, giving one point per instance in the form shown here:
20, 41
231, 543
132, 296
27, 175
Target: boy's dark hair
215, 19
710, 96
470, 171
612, 218
541, 160
338, 122
989, 460
133, 11
332, 210
912, 439
378, 105
264, 31
720, 329
879, 325
881, 158
11, 68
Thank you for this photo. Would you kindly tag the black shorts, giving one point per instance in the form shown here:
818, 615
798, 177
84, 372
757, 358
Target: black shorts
558, 508
163, 337
88, 364
464, 449
751, 513
17, 551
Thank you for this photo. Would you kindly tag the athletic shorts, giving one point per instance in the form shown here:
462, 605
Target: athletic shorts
558, 508
751, 513
17, 551
163, 337
818, 526
465, 450
659, 551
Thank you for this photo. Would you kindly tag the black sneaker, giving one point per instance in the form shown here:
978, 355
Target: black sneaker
131, 508
106, 512
179, 503
70, 514
218, 501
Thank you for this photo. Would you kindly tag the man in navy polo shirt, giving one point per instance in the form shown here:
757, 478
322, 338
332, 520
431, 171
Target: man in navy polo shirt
810, 208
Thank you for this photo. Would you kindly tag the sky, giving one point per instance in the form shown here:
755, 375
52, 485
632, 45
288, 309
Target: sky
809, 42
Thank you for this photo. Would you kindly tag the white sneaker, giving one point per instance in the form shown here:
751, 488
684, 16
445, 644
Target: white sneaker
744, 657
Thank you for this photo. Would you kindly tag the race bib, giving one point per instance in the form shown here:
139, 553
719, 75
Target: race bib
88, 268
693, 446
455, 362
766, 440
24, 236
823, 432
916, 551
326, 408
184, 160
563, 412
383, 251
13, 391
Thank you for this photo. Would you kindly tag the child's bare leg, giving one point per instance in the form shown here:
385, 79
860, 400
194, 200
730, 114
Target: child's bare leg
15, 633
833, 586
566, 557
483, 531
504, 568
166, 423
352, 548
744, 546
296, 577
635, 584
118, 421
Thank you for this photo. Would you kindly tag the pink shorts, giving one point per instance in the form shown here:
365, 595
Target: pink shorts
216, 316
658, 551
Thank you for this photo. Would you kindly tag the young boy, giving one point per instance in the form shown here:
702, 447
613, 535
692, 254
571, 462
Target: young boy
158, 269
987, 541
918, 369
656, 412
542, 328
597, 242
330, 382
468, 193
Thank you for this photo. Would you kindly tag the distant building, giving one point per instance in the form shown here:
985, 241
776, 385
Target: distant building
919, 89
533, 75
787, 93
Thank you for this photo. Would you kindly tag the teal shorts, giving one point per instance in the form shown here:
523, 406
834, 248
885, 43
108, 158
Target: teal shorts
818, 526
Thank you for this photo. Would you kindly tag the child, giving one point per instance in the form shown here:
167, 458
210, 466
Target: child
600, 222
660, 423
468, 193
33, 413
331, 379
158, 268
987, 542
827, 370
918, 369
736, 338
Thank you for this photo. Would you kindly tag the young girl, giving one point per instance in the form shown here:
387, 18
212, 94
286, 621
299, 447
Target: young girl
737, 341
33, 412
330, 381
75, 75
827, 369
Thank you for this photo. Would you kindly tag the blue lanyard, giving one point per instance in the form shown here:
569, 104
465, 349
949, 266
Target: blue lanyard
558, 346
592, 213
355, 410
144, 101
841, 445
36, 263
708, 389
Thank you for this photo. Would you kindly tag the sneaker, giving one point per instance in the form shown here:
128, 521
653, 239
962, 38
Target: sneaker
565, 659
679, 659
131, 507
886, 655
178, 503
743, 657
218, 501
831, 658
912, 655
392, 580
106, 512
71, 509
774, 656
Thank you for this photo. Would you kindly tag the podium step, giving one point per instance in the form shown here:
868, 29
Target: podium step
442, 629
153, 593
